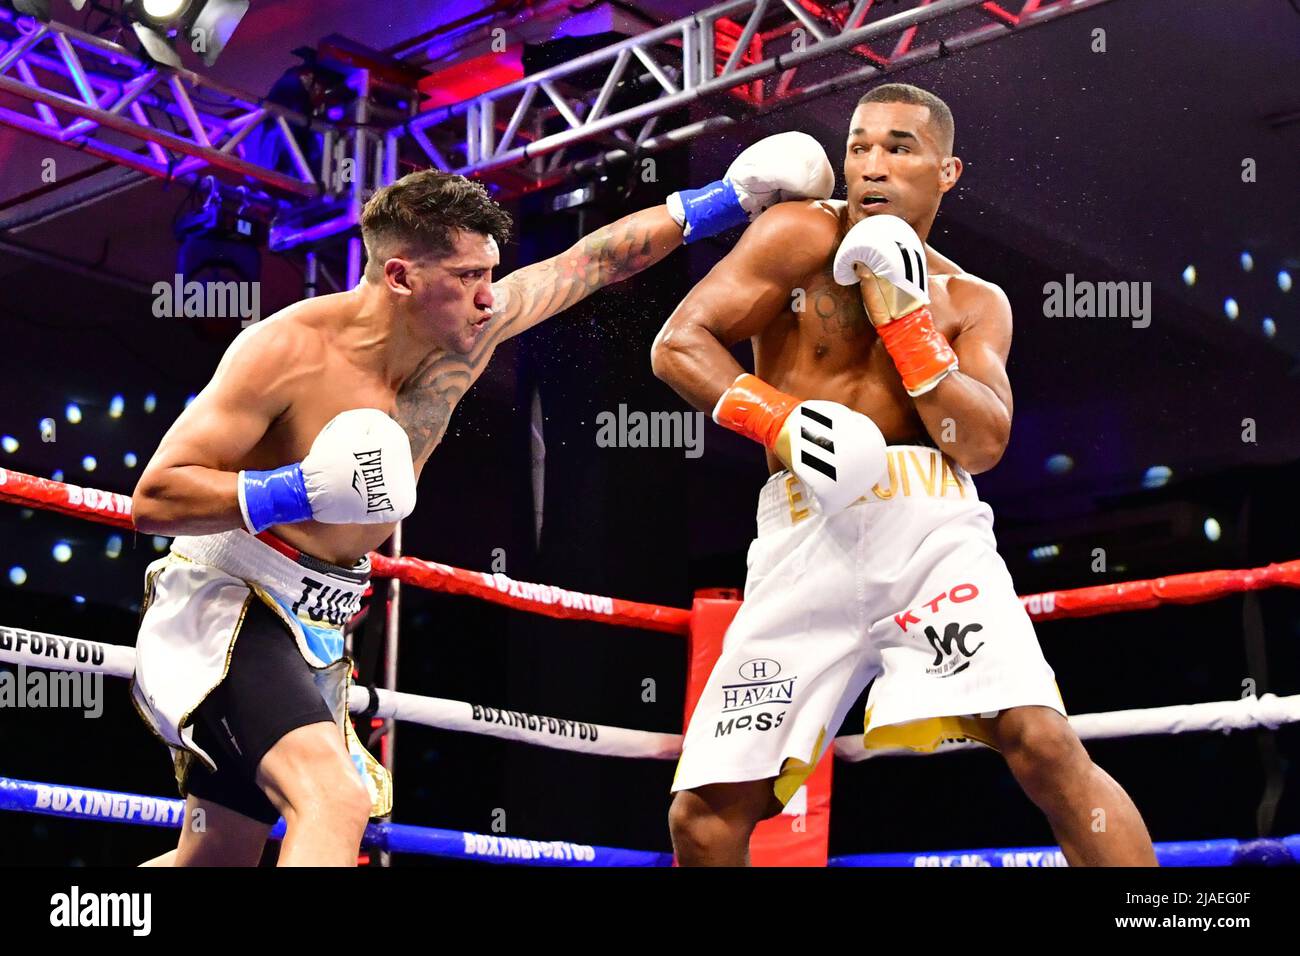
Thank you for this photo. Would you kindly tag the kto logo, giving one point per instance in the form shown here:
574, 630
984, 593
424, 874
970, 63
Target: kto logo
760, 668
958, 595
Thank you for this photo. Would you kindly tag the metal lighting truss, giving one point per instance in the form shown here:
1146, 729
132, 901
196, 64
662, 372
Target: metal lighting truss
96, 96
750, 56
742, 57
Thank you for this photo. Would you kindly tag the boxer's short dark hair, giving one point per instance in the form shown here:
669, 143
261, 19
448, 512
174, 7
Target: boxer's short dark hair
419, 214
940, 114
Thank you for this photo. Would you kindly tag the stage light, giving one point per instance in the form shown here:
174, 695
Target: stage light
113, 547
1059, 464
9, 443
1247, 261
62, 552
1231, 309
1212, 530
1157, 476
17, 575
72, 413
129, 459
89, 463
115, 406
206, 26
1189, 276
162, 10
1270, 327
150, 402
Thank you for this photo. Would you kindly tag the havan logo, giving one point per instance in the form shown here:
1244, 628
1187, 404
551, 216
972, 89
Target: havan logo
763, 686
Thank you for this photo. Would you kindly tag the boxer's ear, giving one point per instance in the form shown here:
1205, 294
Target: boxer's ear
397, 276
949, 172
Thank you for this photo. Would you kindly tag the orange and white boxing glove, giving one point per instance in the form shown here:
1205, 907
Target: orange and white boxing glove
836, 452
884, 255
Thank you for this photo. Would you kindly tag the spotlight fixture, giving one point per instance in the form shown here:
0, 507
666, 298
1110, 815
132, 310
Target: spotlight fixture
206, 25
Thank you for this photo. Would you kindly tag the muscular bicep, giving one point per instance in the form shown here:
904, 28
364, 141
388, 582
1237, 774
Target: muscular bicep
984, 342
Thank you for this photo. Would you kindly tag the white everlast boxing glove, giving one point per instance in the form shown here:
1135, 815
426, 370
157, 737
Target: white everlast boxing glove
359, 471
836, 452
775, 169
885, 256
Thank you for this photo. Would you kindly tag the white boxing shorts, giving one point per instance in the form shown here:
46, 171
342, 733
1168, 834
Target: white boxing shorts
196, 601
904, 588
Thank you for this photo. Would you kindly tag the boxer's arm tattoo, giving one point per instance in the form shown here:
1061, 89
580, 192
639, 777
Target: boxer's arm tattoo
610, 254
527, 296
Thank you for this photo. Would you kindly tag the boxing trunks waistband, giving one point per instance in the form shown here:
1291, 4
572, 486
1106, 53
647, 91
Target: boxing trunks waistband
913, 473
319, 596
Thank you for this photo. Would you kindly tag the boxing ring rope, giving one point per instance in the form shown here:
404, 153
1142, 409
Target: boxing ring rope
37, 649
115, 509
114, 807
561, 733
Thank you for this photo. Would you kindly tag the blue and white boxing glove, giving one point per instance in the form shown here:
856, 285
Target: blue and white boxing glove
359, 471
775, 169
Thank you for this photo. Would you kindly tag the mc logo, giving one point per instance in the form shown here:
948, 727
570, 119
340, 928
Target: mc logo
954, 638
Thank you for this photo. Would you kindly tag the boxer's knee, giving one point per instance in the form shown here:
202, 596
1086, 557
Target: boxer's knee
716, 821
308, 776
698, 832
1041, 748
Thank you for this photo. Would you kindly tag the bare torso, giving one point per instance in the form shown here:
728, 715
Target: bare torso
328, 381
829, 350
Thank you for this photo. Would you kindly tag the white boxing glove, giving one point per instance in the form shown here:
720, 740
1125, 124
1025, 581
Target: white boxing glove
837, 452
776, 169
885, 257
359, 471
890, 250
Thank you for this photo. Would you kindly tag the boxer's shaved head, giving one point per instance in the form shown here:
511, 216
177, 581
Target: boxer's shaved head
941, 123
420, 214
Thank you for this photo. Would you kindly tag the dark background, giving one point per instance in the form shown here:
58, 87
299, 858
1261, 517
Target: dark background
1117, 167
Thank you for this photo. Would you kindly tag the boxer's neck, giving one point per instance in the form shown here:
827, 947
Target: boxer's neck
382, 336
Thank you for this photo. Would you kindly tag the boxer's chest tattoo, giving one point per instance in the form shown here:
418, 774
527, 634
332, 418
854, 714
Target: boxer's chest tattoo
838, 311
425, 404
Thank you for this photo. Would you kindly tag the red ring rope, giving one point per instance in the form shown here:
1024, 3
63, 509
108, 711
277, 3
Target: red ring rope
546, 599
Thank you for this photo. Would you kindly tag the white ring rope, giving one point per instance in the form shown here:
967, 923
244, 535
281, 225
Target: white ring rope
1268, 711
53, 651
